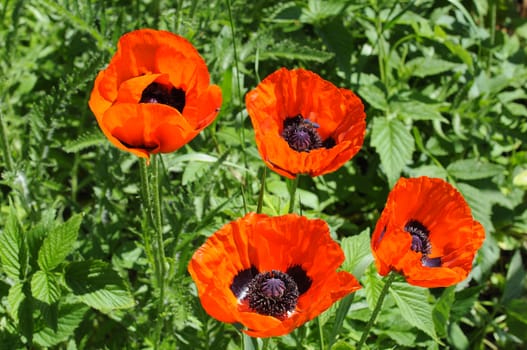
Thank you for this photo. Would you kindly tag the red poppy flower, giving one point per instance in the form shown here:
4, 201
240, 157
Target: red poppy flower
426, 232
271, 274
154, 96
304, 124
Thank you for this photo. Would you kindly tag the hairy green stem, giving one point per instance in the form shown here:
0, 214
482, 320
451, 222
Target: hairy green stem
154, 244
376, 310
292, 186
262, 192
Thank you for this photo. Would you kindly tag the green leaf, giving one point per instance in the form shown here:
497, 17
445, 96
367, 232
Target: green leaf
416, 110
441, 312
97, 285
59, 243
291, 50
481, 207
11, 246
373, 285
472, 169
394, 143
426, 66
45, 287
457, 338
358, 253
14, 299
413, 304
514, 285
375, 95
93, 138
70, 316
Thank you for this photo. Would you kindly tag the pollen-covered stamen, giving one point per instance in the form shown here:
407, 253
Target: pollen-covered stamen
158, 93
302, 135
421, 243
272, 293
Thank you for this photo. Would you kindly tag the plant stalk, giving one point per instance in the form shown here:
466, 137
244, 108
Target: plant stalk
376, 310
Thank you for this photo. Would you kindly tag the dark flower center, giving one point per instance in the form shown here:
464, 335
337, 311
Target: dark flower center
302, 135
158, 93
421, 243
273, 293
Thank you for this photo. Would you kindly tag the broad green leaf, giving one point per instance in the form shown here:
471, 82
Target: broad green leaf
514, 285
11, 246
97, 285
14, 299
59, 243
472, 169
374, 95
414, 306
358, 253
394, 143
291, 50
70, 316
373, 285
45, 287
481, 206
464, 301
416, 110
441, 312
457, 338
426, 66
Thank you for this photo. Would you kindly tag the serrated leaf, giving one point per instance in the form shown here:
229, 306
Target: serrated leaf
375, 95
58, 243
472, 169
481, 207
413, 304
464, 301
358, 253
11, 247
394, 144
290, 50
69, 318
90, 139
14, 299
441, 312
426, 66
45, 287
416, 110
373, 285
98, 285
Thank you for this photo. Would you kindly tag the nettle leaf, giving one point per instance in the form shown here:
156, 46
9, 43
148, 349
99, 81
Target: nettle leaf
441, 312
14, 299
290, 50
481, 206
11, 248
473, 169
69, 318
375, 95
373, 285
426, 66
414, 306
358, 253
45, 287
394, 143
59, 243
98, 285
416, 110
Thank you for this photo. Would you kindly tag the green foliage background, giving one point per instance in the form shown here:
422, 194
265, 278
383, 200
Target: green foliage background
444, 85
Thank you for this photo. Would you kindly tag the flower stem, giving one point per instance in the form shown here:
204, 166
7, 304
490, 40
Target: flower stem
154, 244
376, 310
292, 186
262, 192
320, 334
